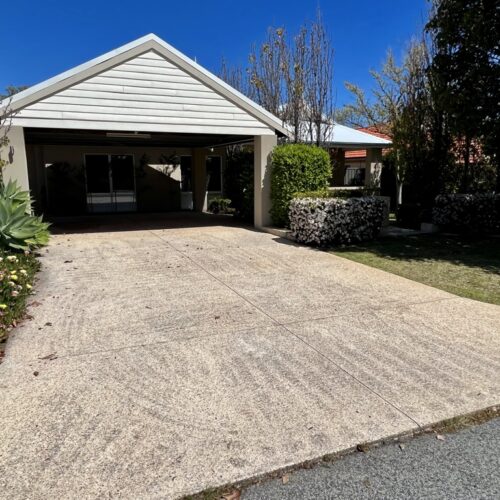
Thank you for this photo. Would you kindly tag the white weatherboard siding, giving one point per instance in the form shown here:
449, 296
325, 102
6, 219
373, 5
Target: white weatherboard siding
148, 94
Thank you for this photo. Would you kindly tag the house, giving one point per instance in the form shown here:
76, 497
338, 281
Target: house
142, 128
355, 159
357, 155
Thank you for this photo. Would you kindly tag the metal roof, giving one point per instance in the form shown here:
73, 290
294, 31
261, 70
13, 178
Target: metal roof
341, 136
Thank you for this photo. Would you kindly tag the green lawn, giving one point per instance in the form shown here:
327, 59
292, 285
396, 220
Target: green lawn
465, 266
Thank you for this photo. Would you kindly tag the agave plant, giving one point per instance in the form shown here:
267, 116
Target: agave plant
18, 228
13, 192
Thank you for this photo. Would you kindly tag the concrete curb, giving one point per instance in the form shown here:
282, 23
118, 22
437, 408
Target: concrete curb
444, 426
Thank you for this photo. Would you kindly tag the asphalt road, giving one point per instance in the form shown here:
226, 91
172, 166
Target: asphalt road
466, 465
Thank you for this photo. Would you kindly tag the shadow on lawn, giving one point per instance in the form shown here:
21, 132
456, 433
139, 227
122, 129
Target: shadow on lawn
469, 251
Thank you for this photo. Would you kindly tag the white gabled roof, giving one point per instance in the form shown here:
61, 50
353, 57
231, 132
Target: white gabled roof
132, 50
346, 137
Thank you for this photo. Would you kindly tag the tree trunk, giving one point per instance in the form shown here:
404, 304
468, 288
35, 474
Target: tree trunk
466, 173
497, 187
399, 192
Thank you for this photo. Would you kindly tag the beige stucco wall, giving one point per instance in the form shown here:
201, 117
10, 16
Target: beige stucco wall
15, 155
263, 146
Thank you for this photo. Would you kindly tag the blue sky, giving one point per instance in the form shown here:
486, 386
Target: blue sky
43, 38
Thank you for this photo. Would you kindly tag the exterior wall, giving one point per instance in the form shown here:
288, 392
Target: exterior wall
15, 154
147, 93
263, 146
59, 189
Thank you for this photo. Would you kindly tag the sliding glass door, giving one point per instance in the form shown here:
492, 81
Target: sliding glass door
110, 183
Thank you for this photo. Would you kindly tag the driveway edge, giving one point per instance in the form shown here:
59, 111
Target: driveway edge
448, 425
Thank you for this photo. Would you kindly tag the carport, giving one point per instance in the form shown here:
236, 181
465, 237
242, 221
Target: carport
142, 128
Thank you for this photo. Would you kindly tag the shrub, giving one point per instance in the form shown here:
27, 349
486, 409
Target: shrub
479, 213
220, 206
324, 221
296, 168
17, 272
238, 180
18, 229
320, 193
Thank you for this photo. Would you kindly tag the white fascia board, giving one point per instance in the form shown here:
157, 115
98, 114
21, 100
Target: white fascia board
354, 146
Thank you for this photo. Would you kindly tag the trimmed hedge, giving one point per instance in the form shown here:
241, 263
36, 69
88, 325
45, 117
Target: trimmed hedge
476, 213
296, 168
325, 221
338, 193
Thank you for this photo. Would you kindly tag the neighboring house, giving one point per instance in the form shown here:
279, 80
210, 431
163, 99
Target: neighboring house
355, 160
356, 154
141, 128
144, 128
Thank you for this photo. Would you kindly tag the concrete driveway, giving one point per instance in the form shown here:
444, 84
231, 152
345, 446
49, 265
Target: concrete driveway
166, 360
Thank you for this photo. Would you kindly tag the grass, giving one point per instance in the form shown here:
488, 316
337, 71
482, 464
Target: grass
17, 273
462, 265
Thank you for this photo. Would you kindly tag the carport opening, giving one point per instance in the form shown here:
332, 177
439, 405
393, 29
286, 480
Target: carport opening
79, 173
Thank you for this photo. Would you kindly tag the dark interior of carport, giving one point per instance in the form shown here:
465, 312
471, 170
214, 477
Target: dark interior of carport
70, 169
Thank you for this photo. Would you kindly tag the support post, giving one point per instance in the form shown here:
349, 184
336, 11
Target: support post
199, 180
263, 146
15, 155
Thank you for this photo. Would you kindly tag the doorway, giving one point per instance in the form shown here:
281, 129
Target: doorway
110, 183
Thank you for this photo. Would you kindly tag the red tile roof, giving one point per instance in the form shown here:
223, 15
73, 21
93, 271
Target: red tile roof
361, 153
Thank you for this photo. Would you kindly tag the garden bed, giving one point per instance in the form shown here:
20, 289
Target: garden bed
17, 274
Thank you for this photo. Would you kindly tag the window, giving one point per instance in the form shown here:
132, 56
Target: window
107, 173
214, 173
122, 172
97, 169
354, 176
186, 173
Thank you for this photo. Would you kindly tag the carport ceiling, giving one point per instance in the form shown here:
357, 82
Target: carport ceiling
103, 138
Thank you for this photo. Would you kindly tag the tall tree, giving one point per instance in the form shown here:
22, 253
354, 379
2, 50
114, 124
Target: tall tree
295, 74
292, 78
267, 69
319, 82
383, 112
401, 106
234, 76
466, 71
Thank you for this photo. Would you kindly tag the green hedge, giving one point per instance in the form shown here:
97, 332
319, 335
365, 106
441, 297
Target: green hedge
296, 168
338, 193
